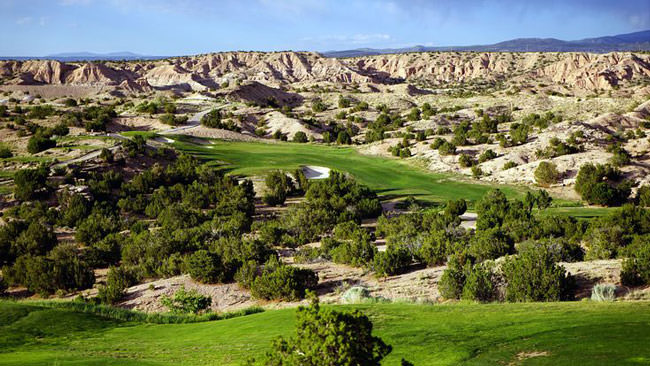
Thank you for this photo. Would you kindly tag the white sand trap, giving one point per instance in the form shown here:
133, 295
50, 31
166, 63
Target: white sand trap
164, 139
316, 172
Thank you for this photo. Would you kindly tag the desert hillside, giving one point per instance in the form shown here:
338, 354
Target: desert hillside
566, 73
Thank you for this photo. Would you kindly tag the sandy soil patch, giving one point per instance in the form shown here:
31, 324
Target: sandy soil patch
215, 133
58, 91
276, 121
591, 273
146, 296
316, 172
136, 123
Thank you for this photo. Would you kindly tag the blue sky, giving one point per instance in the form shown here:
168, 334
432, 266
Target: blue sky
182, 27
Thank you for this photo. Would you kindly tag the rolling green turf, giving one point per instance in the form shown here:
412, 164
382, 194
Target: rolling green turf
389, 177
577, 333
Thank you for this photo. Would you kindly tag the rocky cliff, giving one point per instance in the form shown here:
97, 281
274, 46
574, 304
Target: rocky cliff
576, 72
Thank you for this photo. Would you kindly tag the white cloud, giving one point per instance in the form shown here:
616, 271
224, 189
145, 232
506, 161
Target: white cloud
24, 20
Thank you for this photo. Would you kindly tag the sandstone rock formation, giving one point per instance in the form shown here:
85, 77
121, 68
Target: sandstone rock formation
579, 73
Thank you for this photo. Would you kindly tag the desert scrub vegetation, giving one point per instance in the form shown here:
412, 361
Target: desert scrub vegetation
325, 336
215, 119
532, 244
186, 302
602, 185
546, 174
603, 292
198, 222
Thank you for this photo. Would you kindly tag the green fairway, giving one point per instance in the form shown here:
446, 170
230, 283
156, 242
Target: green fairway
573, 333
389, 177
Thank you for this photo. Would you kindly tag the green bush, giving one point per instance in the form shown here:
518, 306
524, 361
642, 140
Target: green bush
636, 267
391, 262
118, 280
95, 227
487, 155
186, 302
38, 143
489, 244
300, 137
561, 248
28, 183
206, 267
38, 239
327, 337
73, 208
318, 106
596, 185
247, 273
437, 142
173, 120
518, 133
643, 196
480, 284
604, 242
465, 161
5, 152
453, 278
62, 269
447, 148
358, 252
69, 270
278, 186
282, 282
546, 173
477, 172
434, 248
533, 275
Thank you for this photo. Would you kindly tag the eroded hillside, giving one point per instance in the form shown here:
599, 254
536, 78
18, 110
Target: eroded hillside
565, 73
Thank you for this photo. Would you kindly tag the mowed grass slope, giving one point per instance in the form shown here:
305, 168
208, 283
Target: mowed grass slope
389, 177
574, 333
386, 176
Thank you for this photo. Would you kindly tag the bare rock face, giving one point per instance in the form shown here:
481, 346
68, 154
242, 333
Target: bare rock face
46, 72
258, 93
592, 72
575, 72
94, 74
165, 76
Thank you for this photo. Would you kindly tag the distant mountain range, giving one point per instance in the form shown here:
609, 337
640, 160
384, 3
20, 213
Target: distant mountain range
638, 41
89, 56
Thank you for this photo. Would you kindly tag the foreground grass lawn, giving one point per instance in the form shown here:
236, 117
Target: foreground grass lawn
578, 333
387, 176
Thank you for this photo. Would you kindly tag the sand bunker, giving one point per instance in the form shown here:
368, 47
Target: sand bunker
316, 172
164, 139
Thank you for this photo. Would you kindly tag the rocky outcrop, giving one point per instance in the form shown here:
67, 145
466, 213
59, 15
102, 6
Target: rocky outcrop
577, 72
94, 74
260, 94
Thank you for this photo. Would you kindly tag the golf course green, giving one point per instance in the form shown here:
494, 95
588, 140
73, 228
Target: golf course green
390, 178
569, 333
